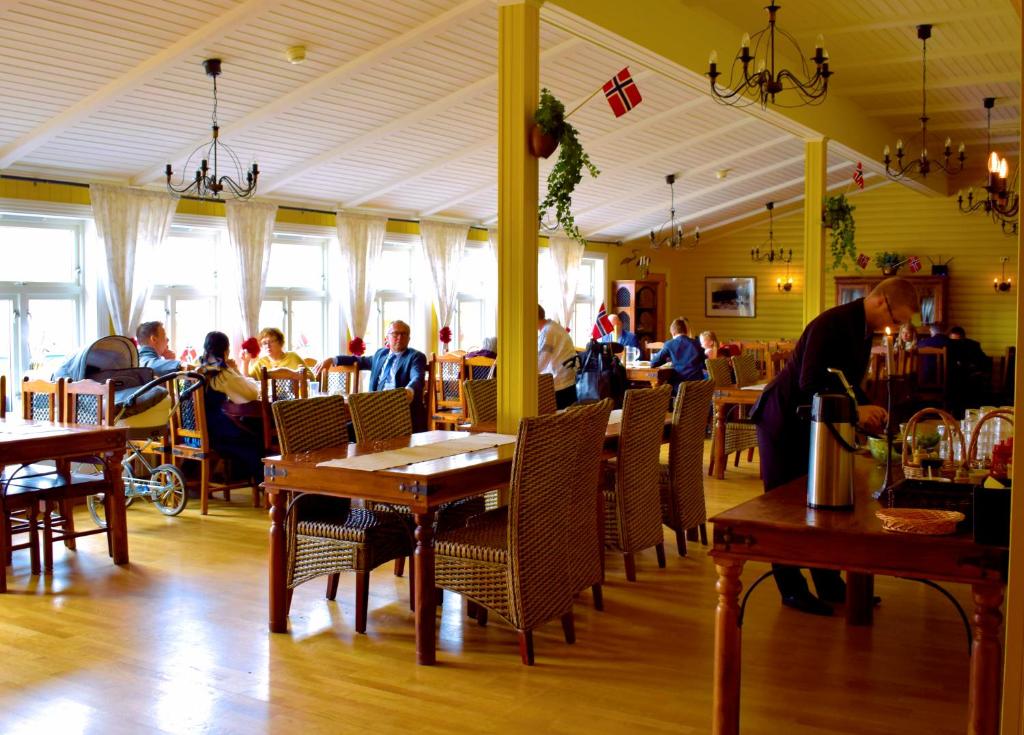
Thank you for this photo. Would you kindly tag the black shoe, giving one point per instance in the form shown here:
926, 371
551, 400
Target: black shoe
807, 603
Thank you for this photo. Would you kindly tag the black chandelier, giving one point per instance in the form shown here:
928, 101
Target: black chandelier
746, 87
208, 183
922, 165
1001, 202
771, 255
670, 233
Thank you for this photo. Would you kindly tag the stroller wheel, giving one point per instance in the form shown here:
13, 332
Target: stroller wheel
169, 489
97, 510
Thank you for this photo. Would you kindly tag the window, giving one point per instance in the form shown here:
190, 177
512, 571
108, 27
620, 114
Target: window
476, 301
590, 289
40, 296
295, 299
397, 282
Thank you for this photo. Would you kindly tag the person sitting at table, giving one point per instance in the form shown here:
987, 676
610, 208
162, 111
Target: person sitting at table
684, 352
908, 337
223, 384
488, 349
713, 348
273, 357
556, 355
619, 333
935, 338
838, 338
154, 349
396, 365
970, 369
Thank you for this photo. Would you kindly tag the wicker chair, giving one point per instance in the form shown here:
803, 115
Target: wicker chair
682, 481
326, 536
720, 372
280, 384
546, 403
516, 563
739, 434
482, 400
745, 368
632, 503
586, 528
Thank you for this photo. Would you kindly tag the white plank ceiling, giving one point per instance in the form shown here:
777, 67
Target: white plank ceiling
394, 109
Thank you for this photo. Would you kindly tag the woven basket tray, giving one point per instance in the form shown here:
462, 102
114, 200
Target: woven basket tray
919, 520
911, 468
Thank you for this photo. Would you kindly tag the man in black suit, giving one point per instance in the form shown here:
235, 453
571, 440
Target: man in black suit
394, 366
838, 338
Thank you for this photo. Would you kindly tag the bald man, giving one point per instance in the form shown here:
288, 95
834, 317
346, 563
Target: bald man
619, 333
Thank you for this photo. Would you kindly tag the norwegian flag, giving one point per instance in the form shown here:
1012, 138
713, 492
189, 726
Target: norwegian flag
863, 260
622, 93
914, 263
602, 325
858, 175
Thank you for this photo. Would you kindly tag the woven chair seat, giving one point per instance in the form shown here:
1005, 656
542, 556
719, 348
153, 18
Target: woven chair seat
484, 540
739, 436
361, 526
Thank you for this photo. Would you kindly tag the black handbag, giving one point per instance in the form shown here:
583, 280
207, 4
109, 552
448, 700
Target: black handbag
600, 375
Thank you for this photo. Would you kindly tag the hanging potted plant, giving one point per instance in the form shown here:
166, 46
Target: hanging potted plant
837, 215
889, 263
568, 169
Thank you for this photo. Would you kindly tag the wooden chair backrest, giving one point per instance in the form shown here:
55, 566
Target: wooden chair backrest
932, 368
480, 367
652, 348
310, 362
760, 350
42, 400
447, 374
340, 380
279, 384
89, 403
776, 361
188, 417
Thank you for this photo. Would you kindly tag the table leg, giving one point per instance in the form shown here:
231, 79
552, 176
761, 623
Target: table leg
718, 452
860, 598
986, 661
117, 516
426, 624
726, 712
278, 561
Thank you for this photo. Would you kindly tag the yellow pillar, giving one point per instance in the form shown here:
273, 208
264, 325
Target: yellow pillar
518, 91
815, 161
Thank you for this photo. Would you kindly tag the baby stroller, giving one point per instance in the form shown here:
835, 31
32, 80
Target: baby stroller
143, 407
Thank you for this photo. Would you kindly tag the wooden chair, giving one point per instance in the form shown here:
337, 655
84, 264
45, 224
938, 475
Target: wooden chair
546, 403
932, 376
482, 400
653, 348
279, 384
190, 441
632, 503
447, 408
681, 481
480, 367
776, 361
516, 562
760, 351
309, 362
341, 380
327, 536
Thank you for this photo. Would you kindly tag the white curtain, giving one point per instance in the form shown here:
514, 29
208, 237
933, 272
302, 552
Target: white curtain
443, 244
250, 232
492, 246
132, 223
361, 239
566, 255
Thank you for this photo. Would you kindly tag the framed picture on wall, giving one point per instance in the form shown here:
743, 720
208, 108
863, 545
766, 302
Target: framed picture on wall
732, 296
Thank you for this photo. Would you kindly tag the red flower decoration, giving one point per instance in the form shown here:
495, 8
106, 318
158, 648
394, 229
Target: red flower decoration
356, 346
445, 335
252, 346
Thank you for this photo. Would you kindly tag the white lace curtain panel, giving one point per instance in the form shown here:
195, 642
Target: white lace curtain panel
132, 223
566, 255
361, 241
250, 232
444, 244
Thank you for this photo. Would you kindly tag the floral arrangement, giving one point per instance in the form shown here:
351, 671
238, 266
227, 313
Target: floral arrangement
889, 262
445, 335
252, 346
356, 346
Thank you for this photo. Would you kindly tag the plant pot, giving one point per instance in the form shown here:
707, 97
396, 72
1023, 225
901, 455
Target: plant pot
890, 270
542, 144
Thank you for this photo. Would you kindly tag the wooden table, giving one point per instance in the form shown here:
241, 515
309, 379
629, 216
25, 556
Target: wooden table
779, 527
25, 442
723, 398
611, 433
654, 375
423, 487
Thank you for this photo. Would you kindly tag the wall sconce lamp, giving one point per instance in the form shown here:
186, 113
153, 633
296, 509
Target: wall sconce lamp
1002, 284
784, 286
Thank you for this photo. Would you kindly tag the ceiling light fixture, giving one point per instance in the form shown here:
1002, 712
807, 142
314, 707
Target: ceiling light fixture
208, 183
1000, 200
771, 256
762, 85
922, 165
1004, 284
670, 233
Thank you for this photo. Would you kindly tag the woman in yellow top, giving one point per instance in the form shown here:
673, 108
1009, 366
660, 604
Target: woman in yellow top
273, 357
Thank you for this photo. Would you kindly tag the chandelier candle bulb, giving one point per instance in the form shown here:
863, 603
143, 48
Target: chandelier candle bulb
885, 152
899, 147
713, 58
745, 41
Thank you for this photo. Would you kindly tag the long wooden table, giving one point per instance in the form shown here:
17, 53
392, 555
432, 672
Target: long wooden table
423, 487
25, 442
779, 527
723, 398
646, 374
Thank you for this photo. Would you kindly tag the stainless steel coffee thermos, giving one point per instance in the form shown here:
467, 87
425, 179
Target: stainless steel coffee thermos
833, 442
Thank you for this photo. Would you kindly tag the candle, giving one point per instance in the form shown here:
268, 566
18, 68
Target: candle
887, 341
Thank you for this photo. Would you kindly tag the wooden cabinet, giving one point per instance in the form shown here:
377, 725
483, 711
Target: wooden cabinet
932, 290
641, 307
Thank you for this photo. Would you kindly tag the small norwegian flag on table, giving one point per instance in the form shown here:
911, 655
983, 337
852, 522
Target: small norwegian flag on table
858, 175
914, 263
622, 93
863, 260
602, 325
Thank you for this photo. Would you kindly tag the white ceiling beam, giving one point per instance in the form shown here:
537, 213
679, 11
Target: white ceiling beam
694, 195
1002, 105
139, 75
954, 82
933, 16
958, 52
335, 78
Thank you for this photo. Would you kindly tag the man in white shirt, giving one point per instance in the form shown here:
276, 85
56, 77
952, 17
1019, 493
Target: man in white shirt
556, 356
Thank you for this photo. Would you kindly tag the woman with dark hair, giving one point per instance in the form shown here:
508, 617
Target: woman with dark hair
224, 383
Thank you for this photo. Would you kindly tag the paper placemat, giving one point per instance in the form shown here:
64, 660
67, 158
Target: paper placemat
757, 386
420, 453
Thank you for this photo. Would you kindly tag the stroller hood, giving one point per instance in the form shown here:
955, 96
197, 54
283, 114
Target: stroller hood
113, 358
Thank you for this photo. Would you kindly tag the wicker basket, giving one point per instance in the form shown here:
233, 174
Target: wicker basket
972, 448
948, 468
919, 520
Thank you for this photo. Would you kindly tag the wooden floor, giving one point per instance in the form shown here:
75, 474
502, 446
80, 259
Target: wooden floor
178, 643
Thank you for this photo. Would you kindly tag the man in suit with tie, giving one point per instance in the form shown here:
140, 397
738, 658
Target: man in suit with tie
395, 366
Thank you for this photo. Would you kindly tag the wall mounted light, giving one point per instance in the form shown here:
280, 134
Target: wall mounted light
784, 286
1002, 284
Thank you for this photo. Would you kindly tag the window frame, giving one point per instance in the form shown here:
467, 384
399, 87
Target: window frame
289, 294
